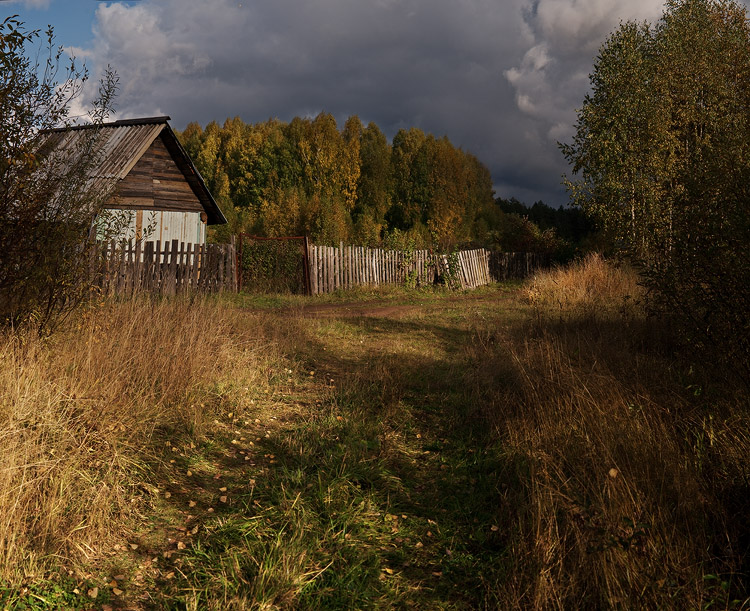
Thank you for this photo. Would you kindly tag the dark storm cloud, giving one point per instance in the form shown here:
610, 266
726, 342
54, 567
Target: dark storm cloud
500, 78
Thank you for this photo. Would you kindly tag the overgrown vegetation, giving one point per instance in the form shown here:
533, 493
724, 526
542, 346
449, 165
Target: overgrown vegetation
47, 201
511, 447
638, 478
272, 266
662, 148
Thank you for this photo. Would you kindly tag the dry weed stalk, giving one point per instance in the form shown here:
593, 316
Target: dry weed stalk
591, 286
80, 413
623, 502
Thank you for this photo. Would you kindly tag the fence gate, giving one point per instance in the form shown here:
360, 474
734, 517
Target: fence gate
274, 265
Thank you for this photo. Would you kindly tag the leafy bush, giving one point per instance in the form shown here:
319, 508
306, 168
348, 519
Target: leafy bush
273, 266
47, 202
663, 151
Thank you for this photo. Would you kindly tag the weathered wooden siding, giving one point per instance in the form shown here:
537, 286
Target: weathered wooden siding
156, 182
145, 160
159, 225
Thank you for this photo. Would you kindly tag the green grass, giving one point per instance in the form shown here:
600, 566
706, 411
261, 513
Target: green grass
352, 510
433, 450
45, 595
393, 294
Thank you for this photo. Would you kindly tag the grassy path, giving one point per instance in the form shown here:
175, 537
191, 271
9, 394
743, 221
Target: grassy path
360, 480
410, 450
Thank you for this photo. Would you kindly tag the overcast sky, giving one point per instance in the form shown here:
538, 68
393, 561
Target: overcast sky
500, 78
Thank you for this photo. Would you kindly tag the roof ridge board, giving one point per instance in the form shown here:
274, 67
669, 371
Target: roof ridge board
118, 123
142, 121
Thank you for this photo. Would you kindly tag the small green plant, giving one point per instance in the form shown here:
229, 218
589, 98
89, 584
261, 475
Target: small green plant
59, 594
452, 270
406, 244
272, 266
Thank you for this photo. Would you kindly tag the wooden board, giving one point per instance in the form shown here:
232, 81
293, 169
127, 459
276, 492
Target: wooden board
155, 182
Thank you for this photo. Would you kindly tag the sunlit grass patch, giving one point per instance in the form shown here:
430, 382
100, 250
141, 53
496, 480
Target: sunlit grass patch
591, 286
349, 496
85, 416
470, 452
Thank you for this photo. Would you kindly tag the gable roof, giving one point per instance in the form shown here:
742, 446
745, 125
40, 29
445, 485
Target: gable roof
124, 142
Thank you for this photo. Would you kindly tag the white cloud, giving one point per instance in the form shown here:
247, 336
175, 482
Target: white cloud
581, 25
79, 107
530, 81
552, 78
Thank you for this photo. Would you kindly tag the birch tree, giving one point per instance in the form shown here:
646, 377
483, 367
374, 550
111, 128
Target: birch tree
662, 154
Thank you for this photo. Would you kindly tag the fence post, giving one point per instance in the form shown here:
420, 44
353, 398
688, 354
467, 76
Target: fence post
306, 264
314, 269
235, 264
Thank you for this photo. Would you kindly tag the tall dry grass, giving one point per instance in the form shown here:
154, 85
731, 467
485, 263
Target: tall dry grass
82, 414
588, 287
628, 478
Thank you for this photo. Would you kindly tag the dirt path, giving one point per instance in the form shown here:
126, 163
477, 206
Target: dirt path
311, 449
348, 310
380, 308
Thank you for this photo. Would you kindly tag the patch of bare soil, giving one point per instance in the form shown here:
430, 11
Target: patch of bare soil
364, 309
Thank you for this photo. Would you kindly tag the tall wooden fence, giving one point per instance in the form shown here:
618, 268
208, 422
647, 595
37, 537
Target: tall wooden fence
167, 269
343, 267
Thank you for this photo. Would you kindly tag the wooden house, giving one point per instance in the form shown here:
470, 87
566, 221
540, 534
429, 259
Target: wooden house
161, 193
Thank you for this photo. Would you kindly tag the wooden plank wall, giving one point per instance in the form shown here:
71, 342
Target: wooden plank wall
156, 183
342, 267
165, 269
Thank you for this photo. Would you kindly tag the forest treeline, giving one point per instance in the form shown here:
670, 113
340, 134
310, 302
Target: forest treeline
308, 177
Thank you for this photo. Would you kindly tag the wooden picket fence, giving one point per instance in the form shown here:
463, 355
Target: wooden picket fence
473, 268
343, 267
166, 269
174, 267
